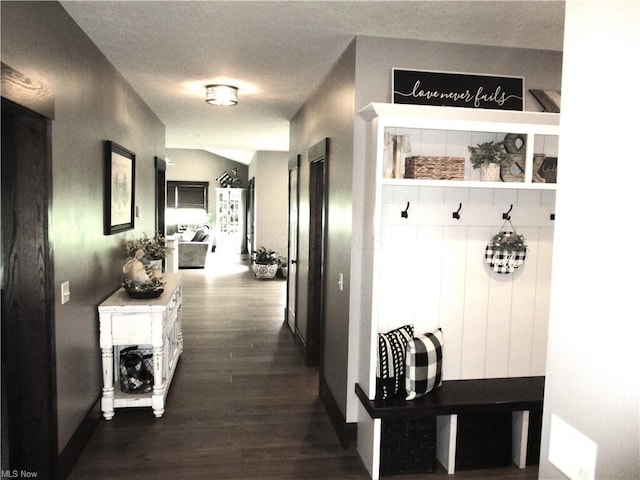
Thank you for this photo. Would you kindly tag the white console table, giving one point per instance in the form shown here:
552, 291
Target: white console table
154, 323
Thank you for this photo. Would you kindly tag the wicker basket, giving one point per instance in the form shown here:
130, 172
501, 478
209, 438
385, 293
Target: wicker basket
408, 445
434, 168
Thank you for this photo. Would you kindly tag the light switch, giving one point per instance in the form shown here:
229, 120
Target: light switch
65, 292
341, 281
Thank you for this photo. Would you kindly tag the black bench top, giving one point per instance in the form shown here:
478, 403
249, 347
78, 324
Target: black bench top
463, 396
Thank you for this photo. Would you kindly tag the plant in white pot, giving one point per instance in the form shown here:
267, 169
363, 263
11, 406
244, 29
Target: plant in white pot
488, 157
265, 263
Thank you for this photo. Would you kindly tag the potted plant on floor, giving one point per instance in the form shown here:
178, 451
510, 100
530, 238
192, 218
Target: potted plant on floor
488, 157
283, 266
264, 263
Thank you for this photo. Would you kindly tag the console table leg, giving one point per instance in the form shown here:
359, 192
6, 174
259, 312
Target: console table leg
157, 399
107, 379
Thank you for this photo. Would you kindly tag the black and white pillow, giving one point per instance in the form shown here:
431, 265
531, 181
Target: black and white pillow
392, 347
424, 364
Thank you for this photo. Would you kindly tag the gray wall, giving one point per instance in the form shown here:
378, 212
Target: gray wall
329, 113
93, 103
592, 358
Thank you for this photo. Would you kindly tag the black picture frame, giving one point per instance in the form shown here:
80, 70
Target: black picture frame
119, 188
456, 89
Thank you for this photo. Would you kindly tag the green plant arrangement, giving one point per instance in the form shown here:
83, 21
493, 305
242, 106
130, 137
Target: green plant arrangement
489, 152
509, 241
265, 263
155, 248
262, 256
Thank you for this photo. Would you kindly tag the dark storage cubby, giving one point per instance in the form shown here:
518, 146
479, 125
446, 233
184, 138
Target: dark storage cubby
408, 445
534, 437
483, 441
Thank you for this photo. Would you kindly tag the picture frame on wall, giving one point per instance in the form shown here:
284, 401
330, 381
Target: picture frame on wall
549, 100
119, 197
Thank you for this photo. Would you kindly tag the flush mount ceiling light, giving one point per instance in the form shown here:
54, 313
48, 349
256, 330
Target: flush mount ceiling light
222, 95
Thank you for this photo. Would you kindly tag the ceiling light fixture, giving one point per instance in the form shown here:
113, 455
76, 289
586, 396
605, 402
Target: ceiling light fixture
222, 95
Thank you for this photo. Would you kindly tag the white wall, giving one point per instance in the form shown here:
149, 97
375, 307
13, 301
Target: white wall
592, 365
271, 173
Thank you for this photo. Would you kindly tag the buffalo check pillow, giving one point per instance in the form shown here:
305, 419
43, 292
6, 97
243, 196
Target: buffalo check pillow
392, 346
424, 364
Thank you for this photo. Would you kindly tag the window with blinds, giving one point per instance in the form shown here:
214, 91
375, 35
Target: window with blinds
187, 194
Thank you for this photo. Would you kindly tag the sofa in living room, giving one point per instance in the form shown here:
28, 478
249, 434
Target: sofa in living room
194, 247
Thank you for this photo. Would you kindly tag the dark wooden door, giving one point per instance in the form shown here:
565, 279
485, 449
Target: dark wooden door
29, 417
317, 243
161, 195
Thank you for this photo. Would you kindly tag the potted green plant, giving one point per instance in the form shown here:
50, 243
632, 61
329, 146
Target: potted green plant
283, 266
488, 157
264, 263
155, 248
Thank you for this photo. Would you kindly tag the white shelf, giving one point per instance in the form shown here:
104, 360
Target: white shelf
409, 182
449, 131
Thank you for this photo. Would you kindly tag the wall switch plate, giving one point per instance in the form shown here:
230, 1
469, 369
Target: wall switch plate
572, 452
341, 281
65, 293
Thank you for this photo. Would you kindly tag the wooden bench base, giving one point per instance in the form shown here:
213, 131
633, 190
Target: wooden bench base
459, 404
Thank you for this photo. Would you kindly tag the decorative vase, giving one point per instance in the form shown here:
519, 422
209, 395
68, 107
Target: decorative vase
264, 271
155, 264
490, 172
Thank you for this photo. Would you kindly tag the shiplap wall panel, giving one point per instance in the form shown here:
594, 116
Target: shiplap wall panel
429, 264
521, 334
454, 260
434, 274
543, 292
476, 306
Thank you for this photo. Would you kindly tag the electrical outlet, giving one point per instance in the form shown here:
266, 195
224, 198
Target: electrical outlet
572, 452
65, 292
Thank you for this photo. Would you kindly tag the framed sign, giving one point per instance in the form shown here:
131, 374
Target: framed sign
119, 196
443, 89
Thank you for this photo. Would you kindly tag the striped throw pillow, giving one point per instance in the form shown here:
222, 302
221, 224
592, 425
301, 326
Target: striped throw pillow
392, 347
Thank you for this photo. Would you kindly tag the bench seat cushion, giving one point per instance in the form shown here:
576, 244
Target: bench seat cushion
423, 371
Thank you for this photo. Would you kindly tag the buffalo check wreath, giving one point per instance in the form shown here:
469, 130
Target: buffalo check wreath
424, 364
506, 252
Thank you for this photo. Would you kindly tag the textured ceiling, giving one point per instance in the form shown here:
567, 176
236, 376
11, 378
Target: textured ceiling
276, 52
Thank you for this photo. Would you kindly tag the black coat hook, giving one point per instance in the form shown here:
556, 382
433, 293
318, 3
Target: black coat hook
456, 214
506, 216
405, 212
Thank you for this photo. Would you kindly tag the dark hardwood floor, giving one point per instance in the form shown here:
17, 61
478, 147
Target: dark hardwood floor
242, 404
